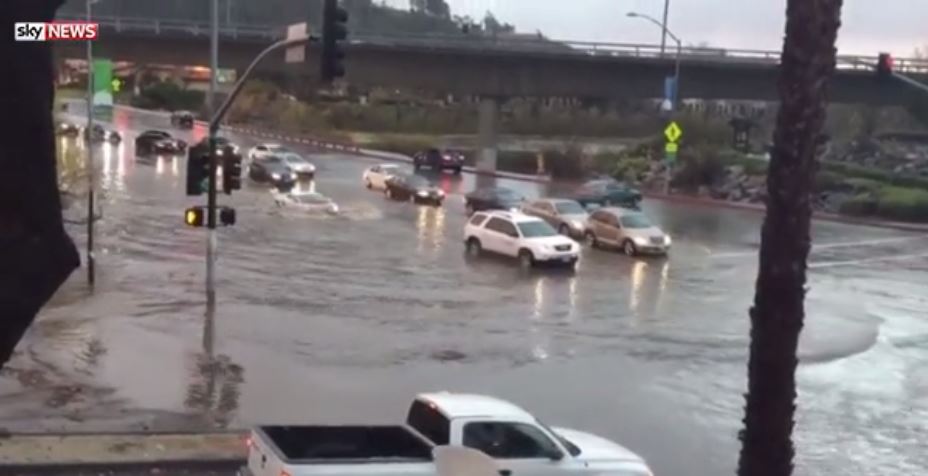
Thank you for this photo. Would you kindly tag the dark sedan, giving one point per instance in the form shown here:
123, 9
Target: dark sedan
182, 119
414, 188
100, 134
492, 198
439, 160
224, 146
607, 192
272, 169
158, 142
68, 129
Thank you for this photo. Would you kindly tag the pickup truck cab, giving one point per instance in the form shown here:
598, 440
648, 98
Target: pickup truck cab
519, 443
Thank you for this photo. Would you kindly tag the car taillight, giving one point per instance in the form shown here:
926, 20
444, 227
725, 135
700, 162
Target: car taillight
284, 473
248, 443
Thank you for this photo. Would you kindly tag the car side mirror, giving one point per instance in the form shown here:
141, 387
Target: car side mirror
554, 454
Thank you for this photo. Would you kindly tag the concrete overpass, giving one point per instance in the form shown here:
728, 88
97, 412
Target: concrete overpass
495, 70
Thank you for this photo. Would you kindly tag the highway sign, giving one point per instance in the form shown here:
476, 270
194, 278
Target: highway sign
671, 148
117, 85
102, 82
296, 54
673, 132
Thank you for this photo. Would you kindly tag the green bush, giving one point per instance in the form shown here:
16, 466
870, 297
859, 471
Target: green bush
893, 203
696, 167
168, 95
858, 171
402, 144
825, 181
631, 169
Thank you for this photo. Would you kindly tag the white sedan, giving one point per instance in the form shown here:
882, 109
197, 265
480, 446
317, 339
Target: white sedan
305, 201
375, 177
262, 151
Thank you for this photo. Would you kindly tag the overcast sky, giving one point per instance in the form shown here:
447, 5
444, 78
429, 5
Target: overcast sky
869, 26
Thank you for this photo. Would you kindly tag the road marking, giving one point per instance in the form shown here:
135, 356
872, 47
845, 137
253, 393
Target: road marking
742, 254
830, 264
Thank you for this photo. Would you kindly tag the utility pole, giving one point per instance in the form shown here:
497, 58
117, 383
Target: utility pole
213, 162
664, 27
91, 168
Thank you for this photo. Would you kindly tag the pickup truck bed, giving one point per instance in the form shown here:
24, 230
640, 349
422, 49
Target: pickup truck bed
348, 444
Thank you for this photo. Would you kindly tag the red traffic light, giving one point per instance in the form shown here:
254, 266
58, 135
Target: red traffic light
884, 65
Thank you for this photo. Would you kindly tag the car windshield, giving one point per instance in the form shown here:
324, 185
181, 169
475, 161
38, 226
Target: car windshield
635, 221
274, 160
536, 229
573, 449
294, 159
569, 208
277, 148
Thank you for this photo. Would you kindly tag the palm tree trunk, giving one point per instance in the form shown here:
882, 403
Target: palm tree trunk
36, 255
807, 65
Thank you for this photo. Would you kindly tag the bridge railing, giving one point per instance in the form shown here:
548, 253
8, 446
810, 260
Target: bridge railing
504, 43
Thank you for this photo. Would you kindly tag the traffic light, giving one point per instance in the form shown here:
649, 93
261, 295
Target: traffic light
334, 31
884, 66
195, 217
231, 174
197, 171
227, 216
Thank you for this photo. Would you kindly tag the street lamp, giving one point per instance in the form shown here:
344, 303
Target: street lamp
676, 71
91, 172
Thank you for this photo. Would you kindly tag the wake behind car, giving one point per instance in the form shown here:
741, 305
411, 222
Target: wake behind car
629, 230
517, 442
607, 192
513, 234
567, 216
305, 201
272, 169
415, 188
439, 160
182, 119
492, 198
158, 142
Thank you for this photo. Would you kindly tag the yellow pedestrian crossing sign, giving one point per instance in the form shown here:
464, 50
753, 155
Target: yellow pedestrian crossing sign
672, 148
117, 85
673, 132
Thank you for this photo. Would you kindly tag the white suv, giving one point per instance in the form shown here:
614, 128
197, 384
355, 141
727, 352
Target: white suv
530, 239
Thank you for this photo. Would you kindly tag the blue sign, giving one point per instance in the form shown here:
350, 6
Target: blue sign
670, 89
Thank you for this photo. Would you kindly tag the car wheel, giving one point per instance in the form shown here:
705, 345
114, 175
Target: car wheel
457, 171
526, 260
629, 248
591, 240
368, 184
473, 247
469, 209
564, 229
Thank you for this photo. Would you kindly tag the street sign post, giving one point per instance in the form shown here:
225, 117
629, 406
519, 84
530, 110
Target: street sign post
102, 82
296, 54
673, 133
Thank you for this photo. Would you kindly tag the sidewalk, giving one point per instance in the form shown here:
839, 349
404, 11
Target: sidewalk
74, 452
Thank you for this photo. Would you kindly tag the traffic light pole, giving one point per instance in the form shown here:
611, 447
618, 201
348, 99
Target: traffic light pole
211, 200
212, 192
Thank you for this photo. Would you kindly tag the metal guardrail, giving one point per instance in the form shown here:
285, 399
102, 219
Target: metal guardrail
539, 45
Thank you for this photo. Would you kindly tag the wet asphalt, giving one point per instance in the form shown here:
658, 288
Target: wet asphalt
343, 319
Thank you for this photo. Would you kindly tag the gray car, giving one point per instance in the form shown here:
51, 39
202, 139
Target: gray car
567, 216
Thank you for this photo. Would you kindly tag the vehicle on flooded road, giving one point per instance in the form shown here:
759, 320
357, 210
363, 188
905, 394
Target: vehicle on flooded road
158, 142
261, 151
518, 443
273, 170
67, 128
567, 216
439, 160
99, 133
182, 119
312, 202
492, 198
299, 165
414, 188
629, 230
375, 177
529, 239
607, 192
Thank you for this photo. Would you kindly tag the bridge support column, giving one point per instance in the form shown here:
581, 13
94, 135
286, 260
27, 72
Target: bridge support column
487, 134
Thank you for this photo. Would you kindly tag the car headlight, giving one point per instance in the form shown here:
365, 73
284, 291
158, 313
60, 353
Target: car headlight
667, 239
441, 193
334, 208
639, 240
219, 151
275, 176
422, 193
576, 224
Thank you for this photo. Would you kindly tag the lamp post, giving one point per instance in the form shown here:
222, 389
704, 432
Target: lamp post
664, 27
91, 169
676, 72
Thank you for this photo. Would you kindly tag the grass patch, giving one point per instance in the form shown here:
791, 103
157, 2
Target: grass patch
890, 202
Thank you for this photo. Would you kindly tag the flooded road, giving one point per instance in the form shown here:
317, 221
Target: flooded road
343, 319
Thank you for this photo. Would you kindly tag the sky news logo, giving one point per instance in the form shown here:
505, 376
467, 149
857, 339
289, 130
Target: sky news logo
56, 31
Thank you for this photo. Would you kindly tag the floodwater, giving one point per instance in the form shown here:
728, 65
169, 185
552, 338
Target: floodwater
343, 319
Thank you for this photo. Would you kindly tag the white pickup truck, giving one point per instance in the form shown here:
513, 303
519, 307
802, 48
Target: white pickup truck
519, 443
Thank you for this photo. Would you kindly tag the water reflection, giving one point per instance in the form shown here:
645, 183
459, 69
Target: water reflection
648, 284
159, 165
540, 341
215, 381
430, 225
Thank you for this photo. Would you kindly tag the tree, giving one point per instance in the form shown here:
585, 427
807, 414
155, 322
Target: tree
807, 64
438, 8
36, 254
